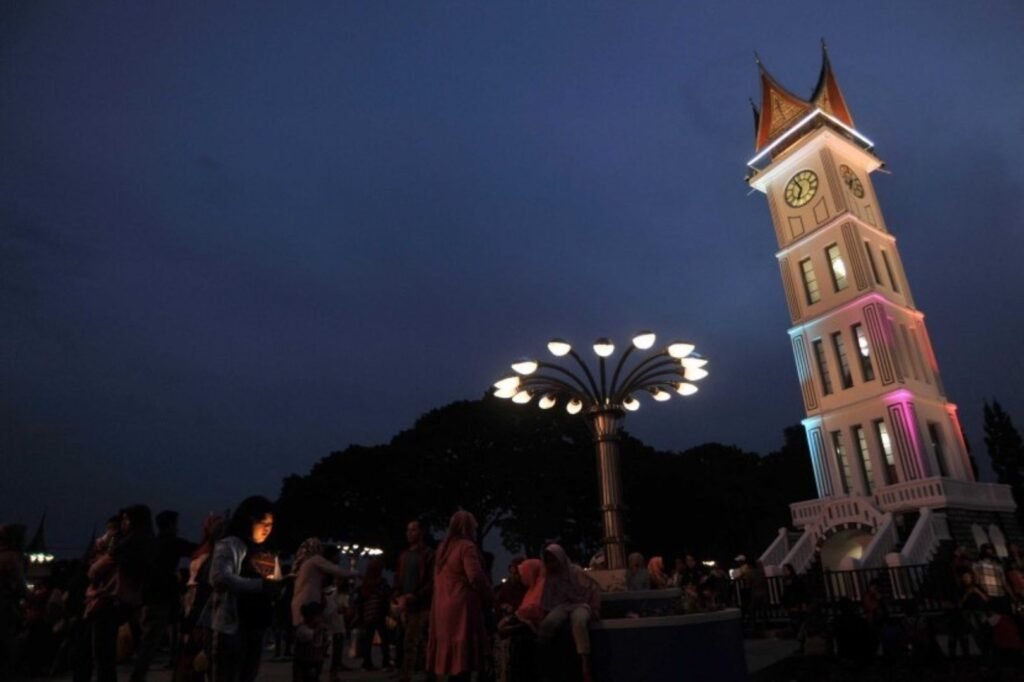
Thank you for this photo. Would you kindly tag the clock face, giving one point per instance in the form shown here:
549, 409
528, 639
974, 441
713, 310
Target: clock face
801, 188
852, 181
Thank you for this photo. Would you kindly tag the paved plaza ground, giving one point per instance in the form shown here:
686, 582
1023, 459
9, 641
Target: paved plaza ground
768, 660
761, 653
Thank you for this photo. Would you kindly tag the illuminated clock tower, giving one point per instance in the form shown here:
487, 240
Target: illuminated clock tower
893, 474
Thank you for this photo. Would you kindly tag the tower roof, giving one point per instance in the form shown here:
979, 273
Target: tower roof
780, 108
38, 541
827, 95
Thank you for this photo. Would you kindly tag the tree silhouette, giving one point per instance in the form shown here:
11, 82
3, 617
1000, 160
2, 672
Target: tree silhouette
1005, 447
530, 476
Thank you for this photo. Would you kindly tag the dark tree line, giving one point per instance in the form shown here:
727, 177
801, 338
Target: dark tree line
1005, 447
530, 476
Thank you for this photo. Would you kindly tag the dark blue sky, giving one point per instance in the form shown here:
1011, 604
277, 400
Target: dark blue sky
237, 236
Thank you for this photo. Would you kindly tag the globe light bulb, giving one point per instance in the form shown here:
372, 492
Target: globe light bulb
680, 349
574, 406
546, 402
508, 382
522, 397
604, 347
694, 373
644, 340
631, 404
558, 347
694, 361
684, 388
524, 367
505, 393
660, 395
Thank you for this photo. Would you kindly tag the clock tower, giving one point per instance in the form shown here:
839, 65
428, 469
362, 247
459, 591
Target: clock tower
893, 474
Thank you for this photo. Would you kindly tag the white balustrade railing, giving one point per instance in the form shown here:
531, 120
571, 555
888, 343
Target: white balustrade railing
801, 554
975, 495
833, 511
931, 529
806, 512
776, 552
883, 541
938, 492
816, 517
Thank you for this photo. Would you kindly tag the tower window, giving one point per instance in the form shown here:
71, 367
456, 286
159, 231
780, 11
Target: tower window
819, 355
940, 456
888, 269
861, 441
841, 458
838, 267
886, 444
871, 262
867, 370
811, 289
845, 375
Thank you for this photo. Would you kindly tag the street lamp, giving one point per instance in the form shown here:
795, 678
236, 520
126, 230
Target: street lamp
674, 369
355, 552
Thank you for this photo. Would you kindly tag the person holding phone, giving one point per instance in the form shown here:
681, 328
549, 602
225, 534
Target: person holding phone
245, 578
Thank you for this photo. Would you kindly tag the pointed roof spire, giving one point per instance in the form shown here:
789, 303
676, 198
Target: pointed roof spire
827, 95
38, 542
779, 108
757, 114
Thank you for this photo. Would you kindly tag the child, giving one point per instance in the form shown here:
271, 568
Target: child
311, 639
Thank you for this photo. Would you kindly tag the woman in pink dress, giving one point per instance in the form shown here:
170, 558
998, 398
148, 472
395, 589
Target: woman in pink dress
458, 639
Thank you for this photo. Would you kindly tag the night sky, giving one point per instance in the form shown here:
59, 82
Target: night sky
236, 236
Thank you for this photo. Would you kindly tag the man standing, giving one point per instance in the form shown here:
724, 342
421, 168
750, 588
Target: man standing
162, 598
992, 578
415, 586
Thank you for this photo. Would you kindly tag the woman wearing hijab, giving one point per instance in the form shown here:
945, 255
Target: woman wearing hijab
514, 661
637, 577
458, 639
656, 571
311, 570
566, 594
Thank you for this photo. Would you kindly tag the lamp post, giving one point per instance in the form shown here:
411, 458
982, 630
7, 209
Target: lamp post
675, 368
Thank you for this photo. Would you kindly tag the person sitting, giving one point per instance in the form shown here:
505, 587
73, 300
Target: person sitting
563, 594
637, 577
656, 571
510, 594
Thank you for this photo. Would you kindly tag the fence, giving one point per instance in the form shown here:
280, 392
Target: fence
899, 585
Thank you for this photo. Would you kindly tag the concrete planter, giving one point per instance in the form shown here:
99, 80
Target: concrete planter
703, 646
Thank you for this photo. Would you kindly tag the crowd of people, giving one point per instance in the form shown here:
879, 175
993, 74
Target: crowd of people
215, 607
976, 610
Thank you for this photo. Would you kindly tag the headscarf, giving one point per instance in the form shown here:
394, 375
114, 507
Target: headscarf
570, 585
637, 577
462, 527
530, 610
213, 528
656, 568
310, 547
